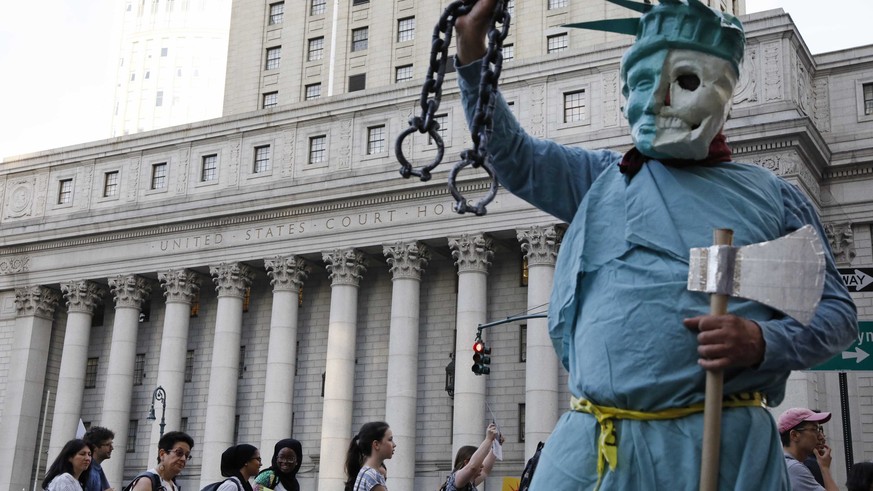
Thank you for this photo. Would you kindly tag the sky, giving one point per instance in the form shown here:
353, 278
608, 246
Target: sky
58, 59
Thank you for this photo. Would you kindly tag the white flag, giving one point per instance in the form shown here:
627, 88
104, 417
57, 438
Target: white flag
80, 431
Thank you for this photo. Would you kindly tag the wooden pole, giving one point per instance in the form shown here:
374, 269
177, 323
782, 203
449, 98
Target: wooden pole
709, 462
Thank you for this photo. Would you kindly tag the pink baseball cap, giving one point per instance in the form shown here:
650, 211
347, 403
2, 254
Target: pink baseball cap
796, 415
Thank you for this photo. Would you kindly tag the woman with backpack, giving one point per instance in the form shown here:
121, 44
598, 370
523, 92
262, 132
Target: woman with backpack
368, 450
239, 464
472, 465
174, 452
70, 469
282, 475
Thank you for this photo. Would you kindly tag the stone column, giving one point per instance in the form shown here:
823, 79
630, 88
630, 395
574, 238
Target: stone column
286, 276
82, 298
345, 267
472, 254
180, 287
231, 281
407, 260
540, 246
24, 384
130, 291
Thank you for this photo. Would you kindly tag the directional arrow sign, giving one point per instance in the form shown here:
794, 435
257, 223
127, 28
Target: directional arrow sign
857, 356
858, 279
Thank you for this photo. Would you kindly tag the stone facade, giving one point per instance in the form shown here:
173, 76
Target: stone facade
205, 204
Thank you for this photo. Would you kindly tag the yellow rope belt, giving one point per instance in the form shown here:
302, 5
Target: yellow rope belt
607, 445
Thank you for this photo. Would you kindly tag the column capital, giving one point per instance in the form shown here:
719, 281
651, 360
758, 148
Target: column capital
344, 266
129, 290
540, 244
286, 272
407, 259
83, 296
472, 252
180, 285
38, 301
231, 279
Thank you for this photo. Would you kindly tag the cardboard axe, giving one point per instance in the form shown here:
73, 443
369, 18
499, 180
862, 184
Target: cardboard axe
786, 274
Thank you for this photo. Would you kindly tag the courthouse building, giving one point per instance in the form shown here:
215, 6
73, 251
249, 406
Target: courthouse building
275, 276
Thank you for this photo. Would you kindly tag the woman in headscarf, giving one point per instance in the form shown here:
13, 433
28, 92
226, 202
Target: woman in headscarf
239, 464
282, 475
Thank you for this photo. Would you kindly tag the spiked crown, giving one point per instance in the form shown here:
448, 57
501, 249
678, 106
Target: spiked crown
676, 24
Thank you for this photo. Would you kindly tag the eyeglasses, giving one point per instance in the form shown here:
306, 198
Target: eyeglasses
819, 429
178, 452
256, 458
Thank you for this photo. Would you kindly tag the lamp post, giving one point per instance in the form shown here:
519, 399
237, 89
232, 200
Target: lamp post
160, 395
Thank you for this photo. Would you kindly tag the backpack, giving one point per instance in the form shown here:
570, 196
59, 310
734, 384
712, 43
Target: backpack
214, 486
529, 469
156, 481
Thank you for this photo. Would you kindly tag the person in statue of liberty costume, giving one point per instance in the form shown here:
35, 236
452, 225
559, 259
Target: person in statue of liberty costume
635, 342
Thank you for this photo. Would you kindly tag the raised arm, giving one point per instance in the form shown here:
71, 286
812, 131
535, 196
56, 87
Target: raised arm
475, 465
471, 30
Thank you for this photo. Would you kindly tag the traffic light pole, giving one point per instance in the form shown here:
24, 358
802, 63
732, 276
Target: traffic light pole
481, 352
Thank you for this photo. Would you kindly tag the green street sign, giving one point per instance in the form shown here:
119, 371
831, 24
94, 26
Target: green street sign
857, 356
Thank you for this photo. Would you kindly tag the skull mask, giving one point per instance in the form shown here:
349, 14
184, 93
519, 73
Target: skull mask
677, 102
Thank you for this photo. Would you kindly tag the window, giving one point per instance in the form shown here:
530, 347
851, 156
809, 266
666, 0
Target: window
189, 365
262, 159
159, 176
317, 7
159, 98
510, 7
360, 39
375, 140
574, 106
357, 82
313, 91
525, 272
148, 74
317, 148
277, 11
557, 4
91, 373
139, 368
316, 49
557, 43
195, 304
164, 52
270, 99
273, 56
132, 430
403, 73
242, 360
508, 52
65, 191
443, 130
179, 72
132, 76
360, 2
522, 414
868, 98
406, 29
522, 343
209, 168
247, 299
236, 428
183, 425
110, 184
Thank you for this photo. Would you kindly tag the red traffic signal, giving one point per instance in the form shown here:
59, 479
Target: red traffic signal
479, 347
481, 360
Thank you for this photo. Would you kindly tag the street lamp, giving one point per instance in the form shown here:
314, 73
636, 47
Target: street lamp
450, 376
160, 395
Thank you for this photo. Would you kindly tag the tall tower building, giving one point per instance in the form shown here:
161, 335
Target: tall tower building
171, 63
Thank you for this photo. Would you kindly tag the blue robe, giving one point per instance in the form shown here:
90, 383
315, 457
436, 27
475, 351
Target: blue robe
619, 298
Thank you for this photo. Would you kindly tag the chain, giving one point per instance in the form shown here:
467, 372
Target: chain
482, 123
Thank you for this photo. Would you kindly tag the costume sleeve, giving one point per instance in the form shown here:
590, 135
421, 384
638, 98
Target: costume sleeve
548, 175
791, 345
264, 479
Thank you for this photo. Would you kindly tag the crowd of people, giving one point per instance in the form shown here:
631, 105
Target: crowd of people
77, 467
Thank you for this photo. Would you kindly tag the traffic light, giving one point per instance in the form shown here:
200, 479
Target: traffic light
481, 358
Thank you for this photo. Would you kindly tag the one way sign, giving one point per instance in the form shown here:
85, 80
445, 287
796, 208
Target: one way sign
858, 279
